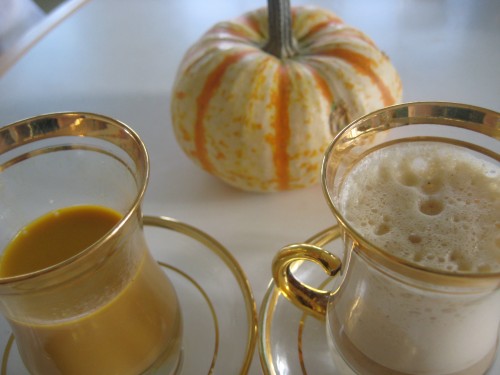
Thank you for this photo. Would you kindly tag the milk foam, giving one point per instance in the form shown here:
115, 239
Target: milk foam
434, 204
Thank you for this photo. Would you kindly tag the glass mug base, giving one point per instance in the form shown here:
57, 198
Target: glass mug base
169, 363
349, 360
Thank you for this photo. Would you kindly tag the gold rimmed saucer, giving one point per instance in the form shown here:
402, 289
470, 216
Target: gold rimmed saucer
218, 308
293, 342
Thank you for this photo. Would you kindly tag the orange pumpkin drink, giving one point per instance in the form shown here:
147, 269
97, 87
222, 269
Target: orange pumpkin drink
122, 329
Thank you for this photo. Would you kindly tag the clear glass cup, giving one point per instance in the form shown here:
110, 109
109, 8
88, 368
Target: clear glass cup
110, 309
390, 315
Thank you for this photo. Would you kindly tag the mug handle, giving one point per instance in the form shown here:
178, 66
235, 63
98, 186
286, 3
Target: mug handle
307, 298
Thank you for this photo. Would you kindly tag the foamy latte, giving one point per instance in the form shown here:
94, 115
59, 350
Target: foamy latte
435, 205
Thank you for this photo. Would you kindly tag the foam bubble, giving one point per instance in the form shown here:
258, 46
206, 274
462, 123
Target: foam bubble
414, 238
431, 206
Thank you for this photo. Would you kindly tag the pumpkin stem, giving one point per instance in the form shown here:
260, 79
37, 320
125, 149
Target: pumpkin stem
281, 42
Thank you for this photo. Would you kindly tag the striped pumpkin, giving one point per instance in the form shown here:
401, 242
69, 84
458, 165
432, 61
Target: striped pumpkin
261, 119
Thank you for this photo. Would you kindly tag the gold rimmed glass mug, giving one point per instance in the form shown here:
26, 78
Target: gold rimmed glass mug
108, 309
415, 189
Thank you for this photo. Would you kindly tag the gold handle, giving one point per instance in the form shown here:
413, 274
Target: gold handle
304, 296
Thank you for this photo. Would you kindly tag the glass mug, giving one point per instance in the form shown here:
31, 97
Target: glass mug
109, 309
394, 311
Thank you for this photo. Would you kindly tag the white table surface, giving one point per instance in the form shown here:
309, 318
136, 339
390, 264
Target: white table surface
119, 58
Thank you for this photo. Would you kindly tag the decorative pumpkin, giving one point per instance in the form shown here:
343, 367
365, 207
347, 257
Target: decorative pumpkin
256, 102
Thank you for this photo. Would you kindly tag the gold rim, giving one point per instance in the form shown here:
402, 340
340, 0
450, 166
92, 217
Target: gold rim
234, 267
463, 116
76, 124
270, 302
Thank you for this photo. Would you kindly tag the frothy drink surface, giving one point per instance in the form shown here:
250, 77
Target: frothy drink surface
431, 203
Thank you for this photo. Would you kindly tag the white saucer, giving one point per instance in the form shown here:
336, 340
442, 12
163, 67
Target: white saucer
218, 309
293, 342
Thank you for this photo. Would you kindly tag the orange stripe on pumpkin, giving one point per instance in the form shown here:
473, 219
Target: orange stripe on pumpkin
282, 128
364, 66
320, 26
212, 82
322, 85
